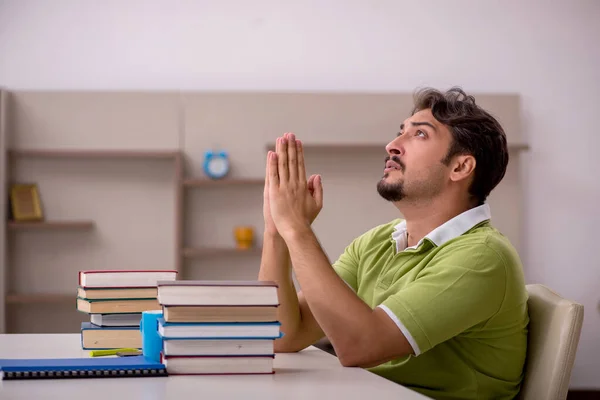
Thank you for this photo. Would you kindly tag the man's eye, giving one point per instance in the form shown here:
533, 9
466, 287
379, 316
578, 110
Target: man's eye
421, 133
399, 133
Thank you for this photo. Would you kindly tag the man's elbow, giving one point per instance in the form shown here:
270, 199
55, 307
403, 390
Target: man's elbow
348, 360
357, 360
355, 356
352, 356
361, 361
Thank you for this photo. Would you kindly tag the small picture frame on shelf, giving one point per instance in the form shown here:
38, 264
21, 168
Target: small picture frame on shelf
25, 202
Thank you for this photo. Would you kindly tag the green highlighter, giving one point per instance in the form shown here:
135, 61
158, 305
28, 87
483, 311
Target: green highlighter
115, 352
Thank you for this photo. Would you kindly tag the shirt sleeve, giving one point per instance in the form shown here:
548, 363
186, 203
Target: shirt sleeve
346, 266
460, 288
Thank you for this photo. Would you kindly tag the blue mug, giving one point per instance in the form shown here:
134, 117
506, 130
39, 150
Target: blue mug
152, 343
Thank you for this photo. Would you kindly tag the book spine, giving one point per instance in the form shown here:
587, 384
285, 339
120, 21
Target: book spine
118, 373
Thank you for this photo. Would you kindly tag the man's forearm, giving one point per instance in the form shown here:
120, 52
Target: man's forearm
343, 316
275, 266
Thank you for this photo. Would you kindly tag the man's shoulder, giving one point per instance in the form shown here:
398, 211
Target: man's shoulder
483, 242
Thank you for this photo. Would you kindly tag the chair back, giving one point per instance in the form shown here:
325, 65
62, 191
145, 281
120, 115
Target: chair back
554, 331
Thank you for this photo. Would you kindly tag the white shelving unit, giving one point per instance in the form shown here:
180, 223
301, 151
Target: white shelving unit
121, 140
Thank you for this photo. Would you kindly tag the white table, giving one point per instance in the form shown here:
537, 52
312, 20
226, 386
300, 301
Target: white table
310, 374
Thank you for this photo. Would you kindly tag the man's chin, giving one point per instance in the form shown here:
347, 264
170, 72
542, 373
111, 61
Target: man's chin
390, 191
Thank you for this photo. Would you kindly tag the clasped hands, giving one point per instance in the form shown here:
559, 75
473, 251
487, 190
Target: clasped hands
291, 202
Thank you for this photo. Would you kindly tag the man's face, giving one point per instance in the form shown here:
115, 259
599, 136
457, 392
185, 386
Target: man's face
414, 168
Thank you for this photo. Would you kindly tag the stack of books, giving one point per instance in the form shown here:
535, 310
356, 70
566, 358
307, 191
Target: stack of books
114, 301
218, 327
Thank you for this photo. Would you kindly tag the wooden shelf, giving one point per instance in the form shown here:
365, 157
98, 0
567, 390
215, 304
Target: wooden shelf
203, 182
50, 225
191, 252
40, 298
370, 146
518, 146
125, 154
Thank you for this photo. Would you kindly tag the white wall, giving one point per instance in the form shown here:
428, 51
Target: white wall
546, 51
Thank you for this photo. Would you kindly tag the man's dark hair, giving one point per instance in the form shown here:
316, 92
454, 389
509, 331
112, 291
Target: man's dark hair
474, 131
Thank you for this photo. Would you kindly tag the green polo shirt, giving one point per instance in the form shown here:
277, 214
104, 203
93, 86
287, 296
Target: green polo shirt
459, 297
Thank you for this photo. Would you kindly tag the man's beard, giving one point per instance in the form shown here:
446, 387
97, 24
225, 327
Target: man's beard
392, 191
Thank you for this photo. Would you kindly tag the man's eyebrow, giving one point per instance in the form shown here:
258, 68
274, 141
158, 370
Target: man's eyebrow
420, 124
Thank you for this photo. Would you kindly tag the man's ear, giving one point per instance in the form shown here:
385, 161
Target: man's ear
463, 167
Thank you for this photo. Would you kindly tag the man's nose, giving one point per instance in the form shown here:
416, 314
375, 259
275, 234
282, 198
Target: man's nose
395, 147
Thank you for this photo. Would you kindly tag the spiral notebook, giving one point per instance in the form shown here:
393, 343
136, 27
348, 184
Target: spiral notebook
58, 368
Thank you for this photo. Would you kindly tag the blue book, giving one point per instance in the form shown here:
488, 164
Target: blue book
53, 368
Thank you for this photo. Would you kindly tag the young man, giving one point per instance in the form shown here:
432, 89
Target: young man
436, 301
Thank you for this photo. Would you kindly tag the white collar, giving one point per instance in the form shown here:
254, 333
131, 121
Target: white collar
445, 232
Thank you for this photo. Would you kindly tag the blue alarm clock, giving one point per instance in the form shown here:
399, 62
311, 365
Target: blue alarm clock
216, 164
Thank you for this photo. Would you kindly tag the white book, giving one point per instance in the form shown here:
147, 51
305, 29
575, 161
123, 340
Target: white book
124, 278
218, 365
206, 347
266, 330
217, 293
116, 319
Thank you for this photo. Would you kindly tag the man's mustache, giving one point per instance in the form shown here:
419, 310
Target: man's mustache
396, 160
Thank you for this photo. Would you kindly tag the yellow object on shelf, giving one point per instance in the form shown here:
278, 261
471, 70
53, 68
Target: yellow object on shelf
244, 237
